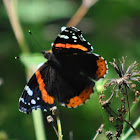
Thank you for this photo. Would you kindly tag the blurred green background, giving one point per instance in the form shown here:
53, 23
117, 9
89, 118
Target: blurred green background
111, 26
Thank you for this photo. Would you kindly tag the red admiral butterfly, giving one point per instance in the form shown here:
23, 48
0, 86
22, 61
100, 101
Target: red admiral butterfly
66, 76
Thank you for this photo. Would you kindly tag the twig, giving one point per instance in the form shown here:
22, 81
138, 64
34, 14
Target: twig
55, 130
131, 109
37, 115
137, 122
127, 123
78, 16
51, 120
99, 131
111, 94
55, 112
10, 8
86, 4
128, 104
59, 127
38, 125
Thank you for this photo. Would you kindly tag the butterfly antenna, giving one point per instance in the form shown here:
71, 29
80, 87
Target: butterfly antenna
18, 57
35, 39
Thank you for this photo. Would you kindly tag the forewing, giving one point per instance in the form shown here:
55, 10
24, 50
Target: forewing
35, 96
71, 40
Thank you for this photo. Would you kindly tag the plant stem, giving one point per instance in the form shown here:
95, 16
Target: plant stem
11, 11
99, 131
129, 123
37, 115
131, 110
107, 101
55, 130
38, 125
83, 9
59, 127
128, 104
78, 16
10, 8
128, 133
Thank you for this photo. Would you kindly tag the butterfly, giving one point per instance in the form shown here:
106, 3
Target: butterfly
67, 76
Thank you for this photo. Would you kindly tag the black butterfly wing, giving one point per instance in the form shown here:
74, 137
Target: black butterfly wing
93, 65
68, 84
70, 41
88, 64
71, 88
72, 83
66, 78
35, 96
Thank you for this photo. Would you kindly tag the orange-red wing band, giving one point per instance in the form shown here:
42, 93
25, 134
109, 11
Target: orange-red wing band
68, 46
79, 100
102, 68
45, 96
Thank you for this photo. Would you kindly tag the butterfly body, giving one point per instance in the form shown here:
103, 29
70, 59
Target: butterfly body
66, 76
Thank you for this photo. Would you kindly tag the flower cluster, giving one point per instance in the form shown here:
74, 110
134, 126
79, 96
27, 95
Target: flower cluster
121, 86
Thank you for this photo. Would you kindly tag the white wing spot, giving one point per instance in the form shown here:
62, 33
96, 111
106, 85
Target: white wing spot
88, 43
102, 58
66, 30
96, 54
63, 28
64, 36
45, 110
75, 28
21, 99
74, 37
33, 101
38, 98
29, 91
82, 38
